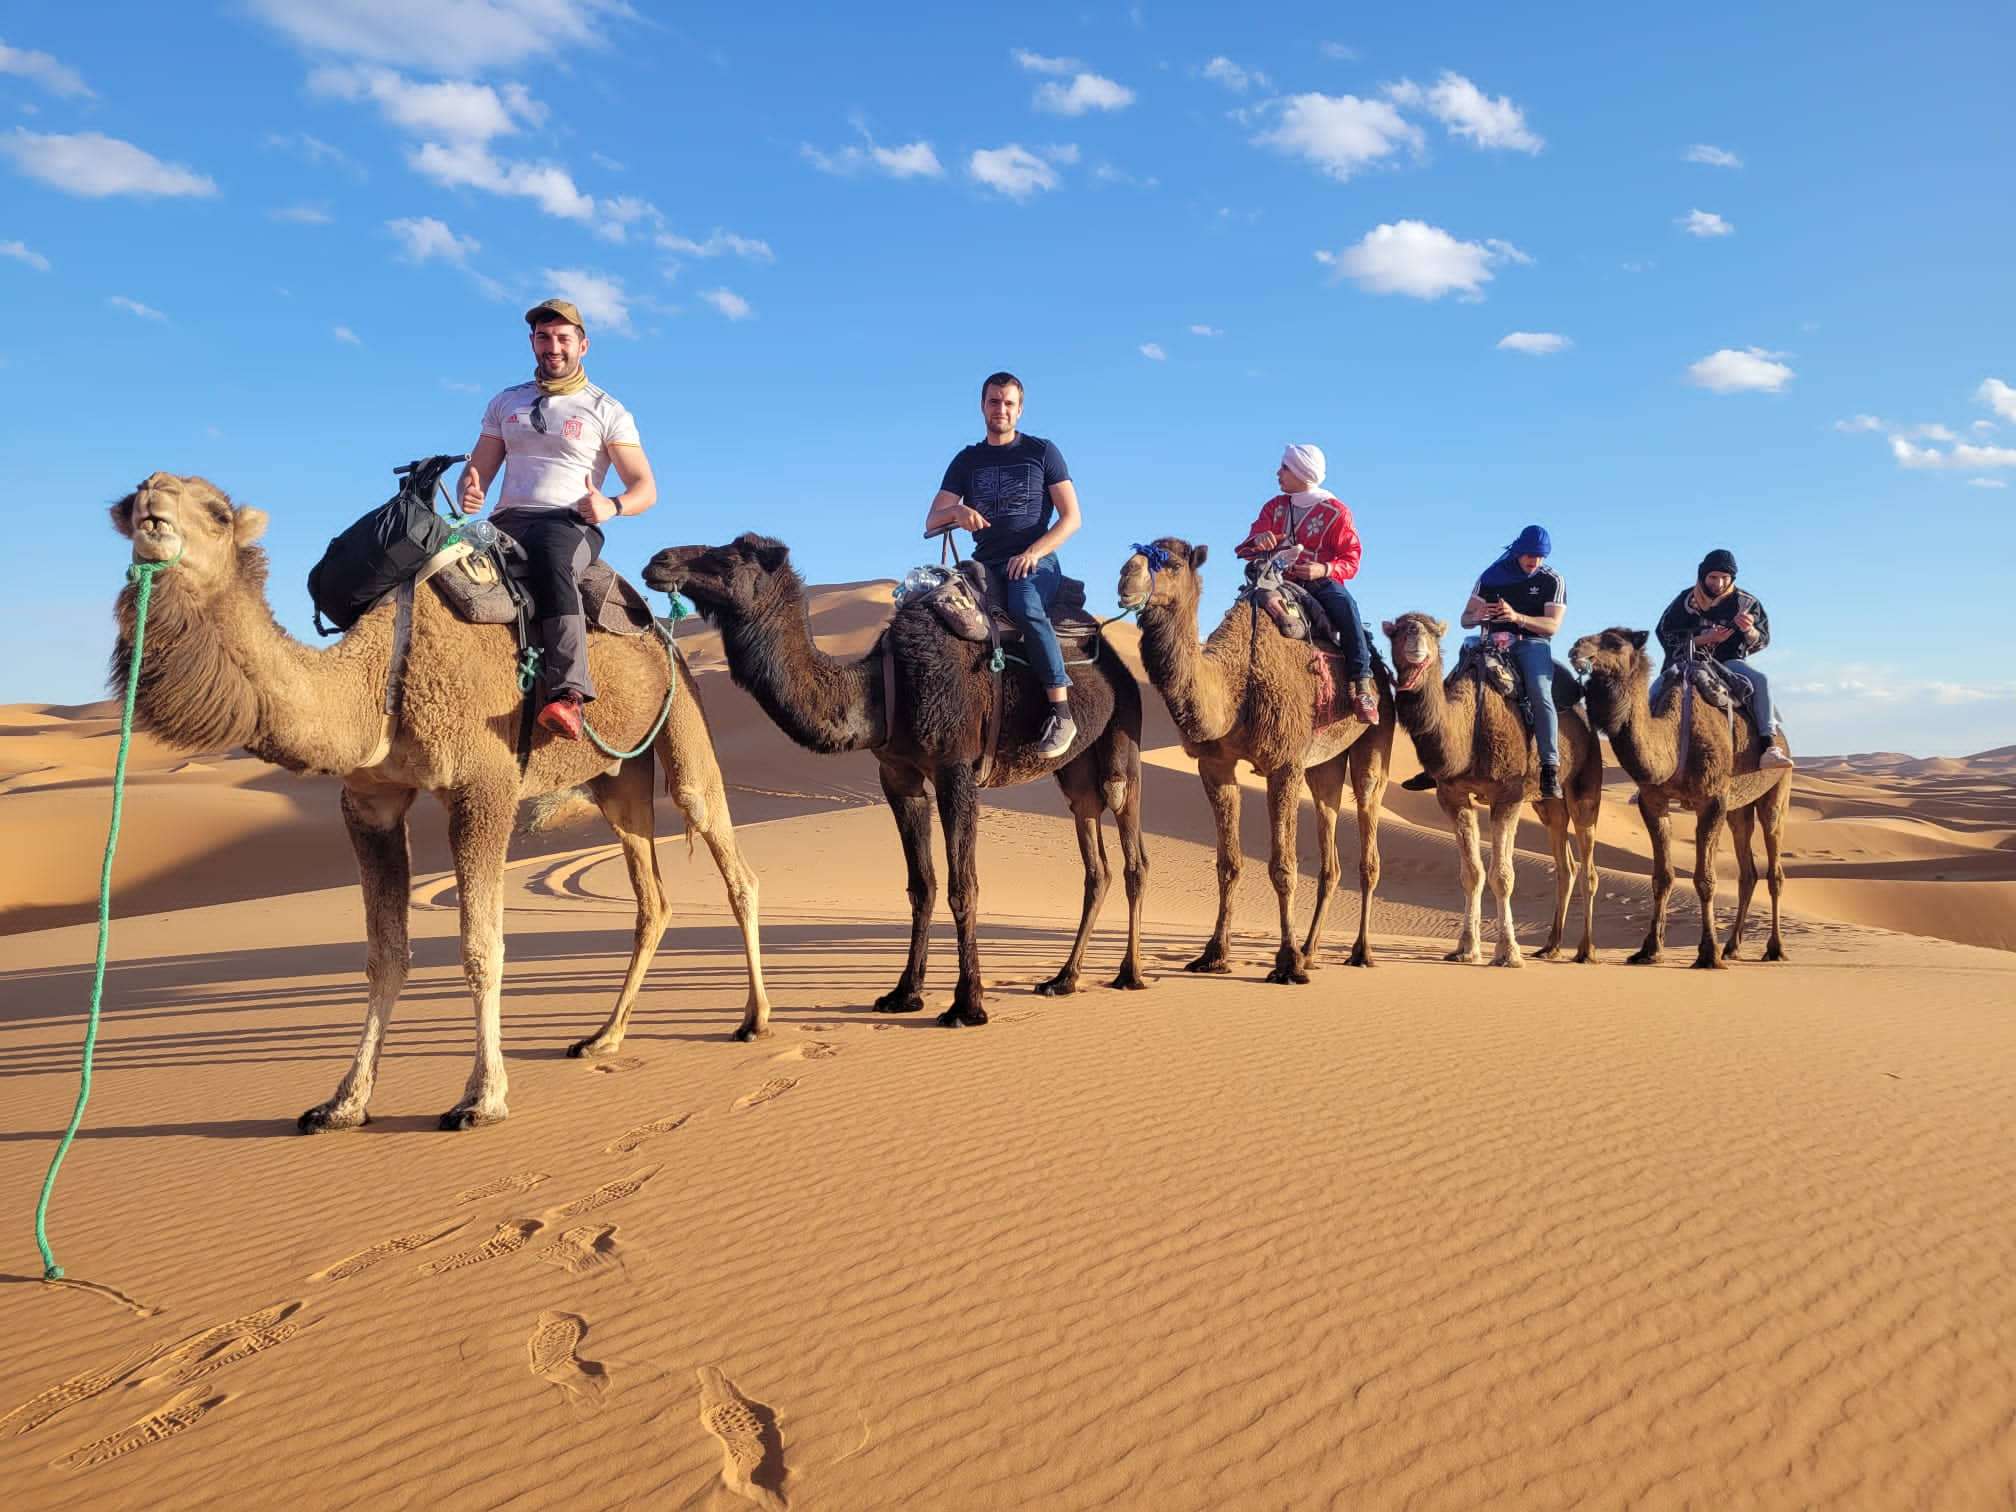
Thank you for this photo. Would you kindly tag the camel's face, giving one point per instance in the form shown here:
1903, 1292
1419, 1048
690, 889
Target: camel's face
1615, 653
718, 577
1417, 648
1145, 584
168, 517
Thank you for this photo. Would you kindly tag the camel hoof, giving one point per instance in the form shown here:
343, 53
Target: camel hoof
457, 1119
751, 1030
1360, 956
1707, 960
1288, 976
1058, 986
592, 1048
1210, 965
1510, 960
955, 1016
1467, 957
1547, 953
1642, 958
1130, 980
322, 1119
900, 1000
1774, 951
1584, 956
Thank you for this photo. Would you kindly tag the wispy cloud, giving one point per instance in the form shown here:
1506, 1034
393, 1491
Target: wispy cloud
1012, 170
1704, 223
1037, 63
1469, 113
1714, 157
914, 160
1337, 52
1205, 330
347, 336
301, 215
22, 253
1963, 457
1534, 343
423, 238
476, 34
1998, 396
134, 307
315, 150
1152, 350
471, 165
1858, 424
719, 243
1987, 483
1753, 370
1224, 71
729, 303
461, 388
1085, 92
599, 297
1421, 261
93, 166
453, 108
58, 78
1340, 134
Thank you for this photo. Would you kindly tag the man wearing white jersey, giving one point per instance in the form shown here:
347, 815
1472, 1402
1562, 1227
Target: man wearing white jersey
556, 438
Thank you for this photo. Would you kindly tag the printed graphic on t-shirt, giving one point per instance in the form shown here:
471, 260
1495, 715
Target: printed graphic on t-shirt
1011, 496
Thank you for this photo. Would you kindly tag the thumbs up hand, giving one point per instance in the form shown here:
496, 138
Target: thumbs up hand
593, 506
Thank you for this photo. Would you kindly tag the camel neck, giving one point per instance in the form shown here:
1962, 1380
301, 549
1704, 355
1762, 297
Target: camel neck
1193, 683
822, 703
1646, 747
1442, 740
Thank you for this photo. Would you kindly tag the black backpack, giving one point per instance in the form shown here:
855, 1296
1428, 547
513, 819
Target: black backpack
382, 550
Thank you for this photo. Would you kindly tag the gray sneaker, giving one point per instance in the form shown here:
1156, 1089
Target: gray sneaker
1059, 730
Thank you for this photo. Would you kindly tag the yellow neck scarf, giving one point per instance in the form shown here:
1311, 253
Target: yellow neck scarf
554, 388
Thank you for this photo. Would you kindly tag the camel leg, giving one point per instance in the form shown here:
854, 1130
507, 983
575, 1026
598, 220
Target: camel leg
1368, 787
1586, 815
959, 815
1504, 840
479, 832
707, 812
1660, 831
1707, 839
1742, 822
1470, 867
1771, 812
912, 807
377, 825
1079, 780
1133, 863
1326, 786
1221, 791
1284, 805
1553, 813
625, 801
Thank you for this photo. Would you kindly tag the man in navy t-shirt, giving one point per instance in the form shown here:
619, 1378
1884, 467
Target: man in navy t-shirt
1520, 593
1014, 493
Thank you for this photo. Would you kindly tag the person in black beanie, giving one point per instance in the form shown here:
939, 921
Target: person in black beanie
1717, 619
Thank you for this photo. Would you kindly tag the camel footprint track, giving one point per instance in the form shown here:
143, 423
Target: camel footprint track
178, 1415
385, 1249
583, 1248
752, 1450
606, 1195
554, 1354
617, 1065
628, 1142
511, 1236
810, 1050
770, 1091
523, 1181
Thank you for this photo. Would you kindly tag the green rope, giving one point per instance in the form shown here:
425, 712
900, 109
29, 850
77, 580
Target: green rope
678, 612
142, 573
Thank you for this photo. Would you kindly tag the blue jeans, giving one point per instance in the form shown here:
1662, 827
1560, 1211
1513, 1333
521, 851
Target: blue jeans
1343, 611
1534, 656
1760, 696
1028, 602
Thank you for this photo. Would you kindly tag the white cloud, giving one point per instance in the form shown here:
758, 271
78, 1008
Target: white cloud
1420, 260
347, 336
1732, 372
1037, 63
1152, 350
1205, 330
315, 150
476, 34
1714, 157
717, 243
461, 388
1224, 71
1998, 396
1983, 426
134, 307
915, 160
453, 108
1534, 343
1340, 133
1337, 52
1012, 170
1964, 457
1470, 113
22, 253
729, 303
1705, 223
424, 237
622, 212
58, 78
1987, 483
600, 298
301, 215
1085, 92
1930, 433
470, 164
1858, 424
93, 166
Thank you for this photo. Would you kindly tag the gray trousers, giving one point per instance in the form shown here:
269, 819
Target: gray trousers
559, 545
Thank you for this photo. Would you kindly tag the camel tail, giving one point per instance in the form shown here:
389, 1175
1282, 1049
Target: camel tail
557, 811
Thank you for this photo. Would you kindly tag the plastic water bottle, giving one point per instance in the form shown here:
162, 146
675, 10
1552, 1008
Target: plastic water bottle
480, 535
921, 580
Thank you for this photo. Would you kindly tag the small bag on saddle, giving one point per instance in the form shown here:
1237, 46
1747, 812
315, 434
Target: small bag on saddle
487, 587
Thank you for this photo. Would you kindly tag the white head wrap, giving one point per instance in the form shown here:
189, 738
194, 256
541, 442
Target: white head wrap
1305, 462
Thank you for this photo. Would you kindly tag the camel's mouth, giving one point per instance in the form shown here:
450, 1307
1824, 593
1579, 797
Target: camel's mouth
1410, 676
156, 540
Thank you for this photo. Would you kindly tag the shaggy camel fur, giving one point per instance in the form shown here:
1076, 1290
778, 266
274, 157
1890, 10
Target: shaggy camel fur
1472, 741
1250, 694
943, 693
218, 671
1718, 778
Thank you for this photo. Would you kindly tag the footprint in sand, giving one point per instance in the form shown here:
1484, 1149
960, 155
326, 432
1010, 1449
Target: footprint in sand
608, 1193
554, 1357
579, 1250
628, 1142
752, 1450
39, 1409
524, 1181
770, 1091
510, 1238
617, 1066
178, 1415
385, 1249
810, 1050
226, 1344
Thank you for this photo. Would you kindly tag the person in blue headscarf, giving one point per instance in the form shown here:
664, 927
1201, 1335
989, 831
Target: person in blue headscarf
1519, 593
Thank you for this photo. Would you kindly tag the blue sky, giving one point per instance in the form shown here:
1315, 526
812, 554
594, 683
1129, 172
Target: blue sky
1718, 278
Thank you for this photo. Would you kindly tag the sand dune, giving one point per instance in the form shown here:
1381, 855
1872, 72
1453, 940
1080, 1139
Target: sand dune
1425, 1235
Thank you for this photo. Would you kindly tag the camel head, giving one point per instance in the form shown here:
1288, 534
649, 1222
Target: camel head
1163, 575
737, 578
1614, 656
166, 517
1417, 648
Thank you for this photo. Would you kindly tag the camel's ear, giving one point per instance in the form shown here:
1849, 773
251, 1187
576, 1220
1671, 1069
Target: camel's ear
247, 524
122, 515
772, 554
1639, 637
1440, 627
1387, 626
1197, 555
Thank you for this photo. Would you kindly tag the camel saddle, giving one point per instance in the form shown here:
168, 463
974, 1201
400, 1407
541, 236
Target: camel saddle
488, 587
1488, 658
963, 601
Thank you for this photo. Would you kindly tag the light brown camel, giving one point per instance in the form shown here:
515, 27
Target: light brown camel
933, 740
1250, 694
218, 671
1472, 741
1712, 776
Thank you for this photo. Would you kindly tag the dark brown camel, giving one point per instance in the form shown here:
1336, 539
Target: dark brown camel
1472, 741
943, 694
1712, 775
1250, 694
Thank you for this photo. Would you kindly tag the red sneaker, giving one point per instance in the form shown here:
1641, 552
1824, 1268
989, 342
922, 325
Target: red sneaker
1366, 697
563, 716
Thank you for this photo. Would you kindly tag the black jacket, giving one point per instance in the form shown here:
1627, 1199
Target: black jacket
1682, 622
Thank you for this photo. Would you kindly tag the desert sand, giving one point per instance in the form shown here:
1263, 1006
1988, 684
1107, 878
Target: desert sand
1428, 1235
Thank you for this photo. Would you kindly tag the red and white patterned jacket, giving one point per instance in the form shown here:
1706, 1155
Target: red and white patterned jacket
1325, 533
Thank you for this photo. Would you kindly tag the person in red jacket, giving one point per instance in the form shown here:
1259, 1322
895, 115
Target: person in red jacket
1309, 530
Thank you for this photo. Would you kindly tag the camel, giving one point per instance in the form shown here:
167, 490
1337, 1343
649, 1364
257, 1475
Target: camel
218, 671
1713, 776
933, 739
1250, 694
1472, 741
